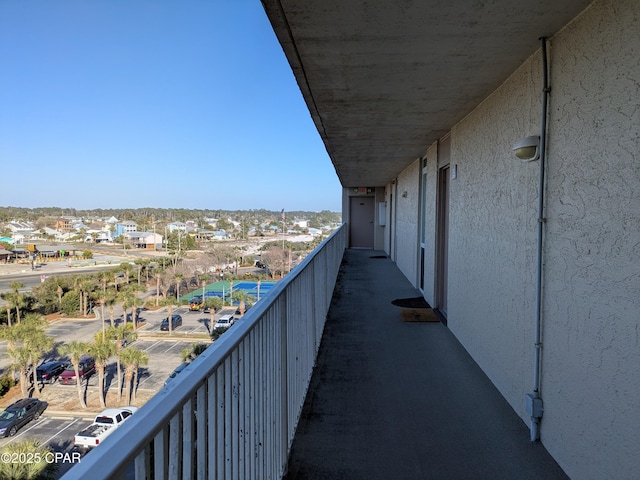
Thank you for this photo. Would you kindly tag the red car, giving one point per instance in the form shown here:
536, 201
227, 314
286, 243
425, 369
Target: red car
86, 368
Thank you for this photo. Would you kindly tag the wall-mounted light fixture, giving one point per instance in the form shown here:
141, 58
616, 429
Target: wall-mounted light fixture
528, 148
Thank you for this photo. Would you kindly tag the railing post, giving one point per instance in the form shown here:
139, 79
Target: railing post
284, 384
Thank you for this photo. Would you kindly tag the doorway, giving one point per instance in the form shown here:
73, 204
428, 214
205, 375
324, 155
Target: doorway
442, 226
361, 215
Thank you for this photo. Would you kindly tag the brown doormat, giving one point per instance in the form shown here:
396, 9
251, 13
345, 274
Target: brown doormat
419, 315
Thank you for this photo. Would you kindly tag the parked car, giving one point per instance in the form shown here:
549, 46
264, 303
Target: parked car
176, 321
86, 368
196, 304
178, 369
19, 414
225, 321
50, 371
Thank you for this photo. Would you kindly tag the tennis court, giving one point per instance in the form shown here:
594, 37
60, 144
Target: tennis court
222, 289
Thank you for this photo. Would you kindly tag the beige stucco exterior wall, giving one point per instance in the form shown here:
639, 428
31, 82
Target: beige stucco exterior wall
591, 313
406, 221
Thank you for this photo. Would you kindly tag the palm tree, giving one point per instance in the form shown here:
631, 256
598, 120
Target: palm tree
127, 267
6, 297
36, 341
121, 335
111, 302
87, 284
132, 358
214, 303
102, 349
191, 353
75, 351
59, 292
123, 298
18, 298
134, 303
170, 302
129, 298
39, 468
178, 276
158, 280
104, 278
142, 358
21, 361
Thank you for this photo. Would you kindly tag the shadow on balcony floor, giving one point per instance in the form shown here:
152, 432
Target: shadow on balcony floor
403, 400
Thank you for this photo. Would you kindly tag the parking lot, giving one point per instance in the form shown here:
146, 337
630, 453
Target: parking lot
64, 417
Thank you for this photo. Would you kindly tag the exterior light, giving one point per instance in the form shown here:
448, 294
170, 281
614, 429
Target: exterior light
528, 148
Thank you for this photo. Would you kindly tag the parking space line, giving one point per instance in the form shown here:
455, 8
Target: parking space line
172, 346
152, 345
15, 437
60, 431
146, 378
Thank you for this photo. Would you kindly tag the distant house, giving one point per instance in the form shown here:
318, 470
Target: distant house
63, 225
172, 227
123, 228
20, 227
220, 235
147, 240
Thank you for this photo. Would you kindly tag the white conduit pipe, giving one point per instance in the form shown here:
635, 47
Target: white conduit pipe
535, 405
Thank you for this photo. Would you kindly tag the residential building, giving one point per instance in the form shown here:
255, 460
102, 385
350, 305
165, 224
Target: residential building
147, 240
172, 227
531, 265
123, 228
420, 106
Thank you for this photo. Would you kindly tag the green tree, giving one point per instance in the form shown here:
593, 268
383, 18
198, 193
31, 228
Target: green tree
36, 342
192, 352
70, 303
17, 298
121, 335
21, 360
75, 351
214, 304
178, 277
102, 349
38, 469
169, 302
6, 297
132, 358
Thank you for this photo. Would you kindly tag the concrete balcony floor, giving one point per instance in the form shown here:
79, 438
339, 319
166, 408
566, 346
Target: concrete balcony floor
403, 400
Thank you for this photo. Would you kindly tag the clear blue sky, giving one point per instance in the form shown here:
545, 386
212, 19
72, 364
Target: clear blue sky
151, 103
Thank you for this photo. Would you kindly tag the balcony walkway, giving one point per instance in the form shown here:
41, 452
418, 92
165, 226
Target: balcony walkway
402, 400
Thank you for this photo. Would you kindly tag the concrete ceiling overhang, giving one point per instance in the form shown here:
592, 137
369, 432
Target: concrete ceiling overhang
383, 79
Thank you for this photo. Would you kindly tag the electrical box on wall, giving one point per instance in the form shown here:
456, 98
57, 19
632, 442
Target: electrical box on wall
382, 213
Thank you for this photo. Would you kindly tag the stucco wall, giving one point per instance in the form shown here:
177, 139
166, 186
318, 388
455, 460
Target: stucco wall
591, 331
592, 245
492, 234
406, 221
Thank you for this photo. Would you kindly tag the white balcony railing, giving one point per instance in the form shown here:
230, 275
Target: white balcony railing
233, 412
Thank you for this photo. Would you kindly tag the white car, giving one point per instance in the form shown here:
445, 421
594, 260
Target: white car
225, 321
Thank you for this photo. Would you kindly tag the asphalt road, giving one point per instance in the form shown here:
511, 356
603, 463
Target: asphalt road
32, 278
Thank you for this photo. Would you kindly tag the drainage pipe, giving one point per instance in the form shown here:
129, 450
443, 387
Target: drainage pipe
535, 401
